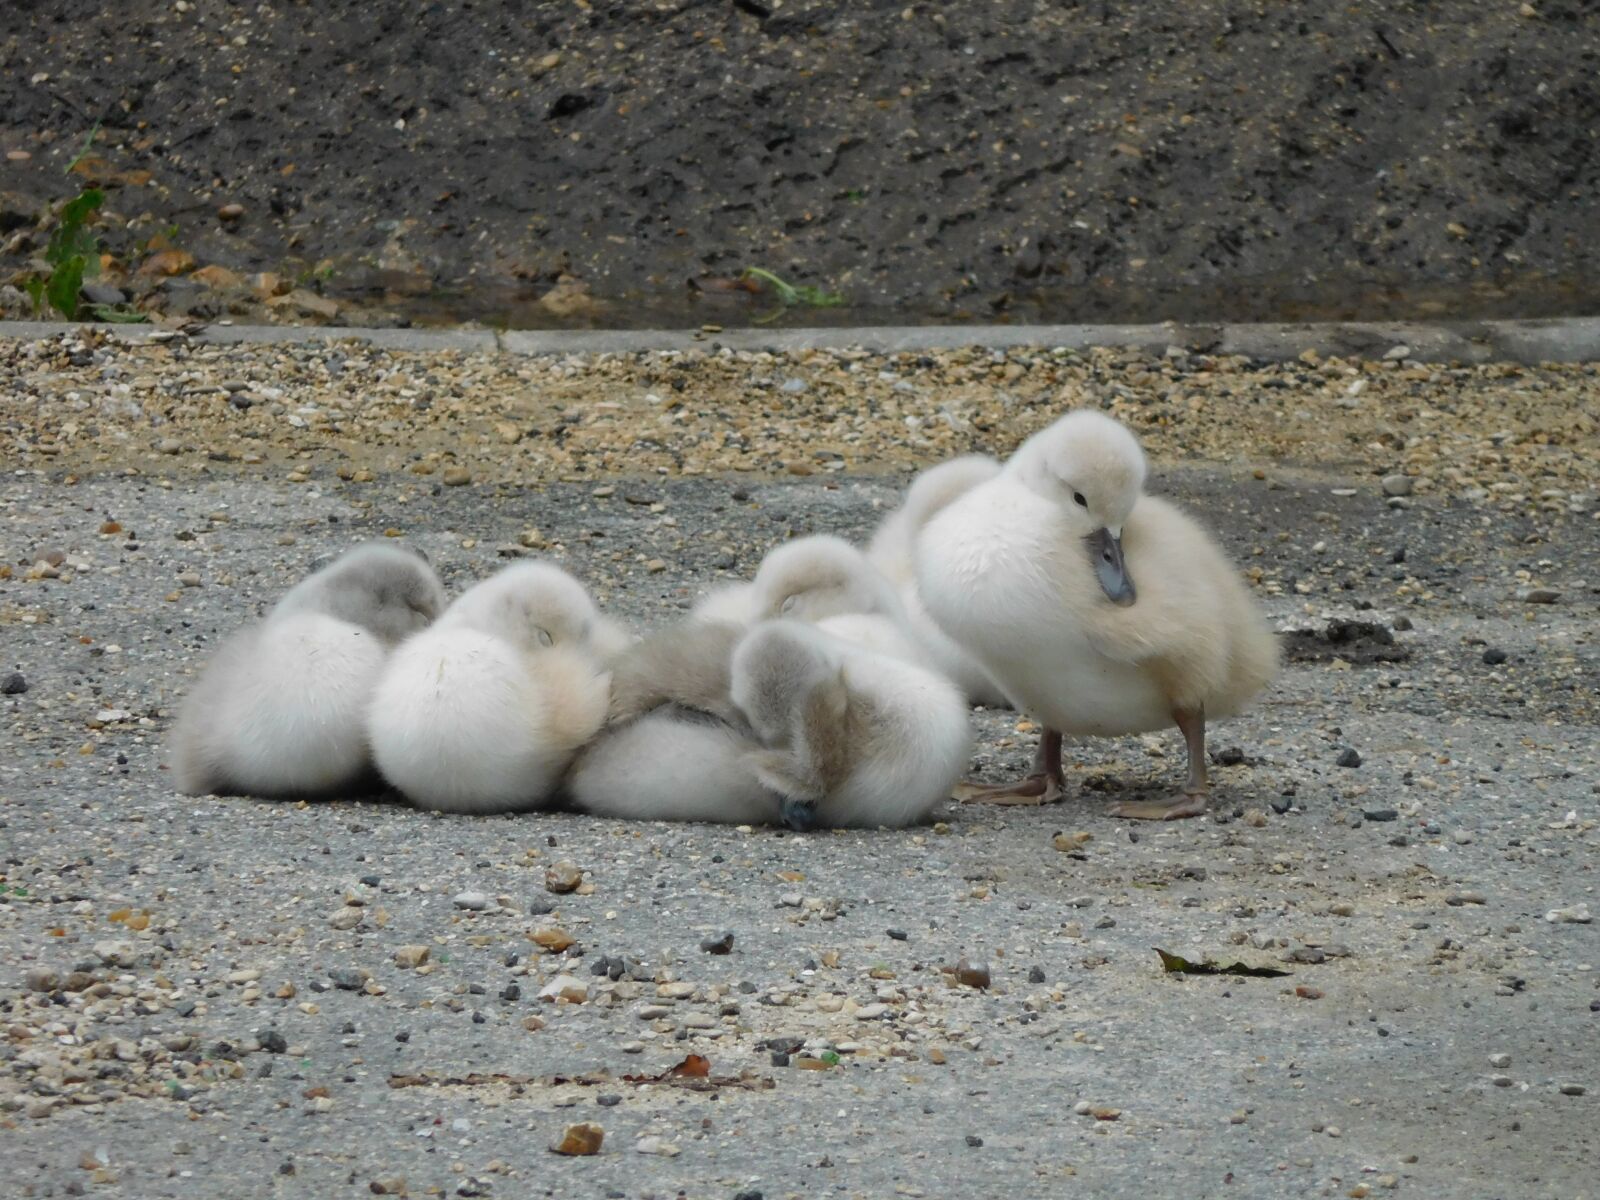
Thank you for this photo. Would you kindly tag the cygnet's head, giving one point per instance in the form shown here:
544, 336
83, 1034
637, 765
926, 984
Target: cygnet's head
384, 587
531, 605
816, 577
775, 667
1093, 469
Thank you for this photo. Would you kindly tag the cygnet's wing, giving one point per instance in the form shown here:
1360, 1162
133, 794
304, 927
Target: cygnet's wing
686, 665
891, 548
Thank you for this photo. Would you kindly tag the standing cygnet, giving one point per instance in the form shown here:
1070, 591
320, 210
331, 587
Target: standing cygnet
852, 738
280, 710
675, 748
1099, 609
892, 551
484, 711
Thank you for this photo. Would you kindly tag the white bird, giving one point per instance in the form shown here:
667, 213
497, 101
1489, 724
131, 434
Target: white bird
828, 582
892, 551
483, 712
1099, 610
280, 710
850, 737
675, 747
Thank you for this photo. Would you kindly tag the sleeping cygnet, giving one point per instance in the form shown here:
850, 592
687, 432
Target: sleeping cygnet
281, 708
675, 747
483, 712
850, 737
828, 582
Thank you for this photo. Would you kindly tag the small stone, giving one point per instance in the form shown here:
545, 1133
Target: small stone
1572, 1089
457, 477
533, 539
565, 987
655, 566
1349, 757
1500, 1081
347, 917
1538, 595
42, 979
974, 975
471, 901
1494, 656
13, 684
656, 1145
562, 877
230, 212
871, 1012
1500, 1060
1083, 1108
1458, 899
1380, 814
169, 446
411, 956
1577, 914
1397, 485
115, 954
721, 944
1461, 837
582, 1139
272, 1041
349, 979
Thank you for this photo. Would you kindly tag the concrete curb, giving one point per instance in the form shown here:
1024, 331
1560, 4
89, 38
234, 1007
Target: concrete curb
1570, 339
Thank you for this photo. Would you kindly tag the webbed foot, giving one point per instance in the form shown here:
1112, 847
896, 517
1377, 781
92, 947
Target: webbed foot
1033, 789
1190, 804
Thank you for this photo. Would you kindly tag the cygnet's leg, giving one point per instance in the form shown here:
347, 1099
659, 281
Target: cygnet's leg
1196, 791
1044, 784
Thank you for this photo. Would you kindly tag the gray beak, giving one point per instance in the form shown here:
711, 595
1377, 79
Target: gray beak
799, 815
1105, 551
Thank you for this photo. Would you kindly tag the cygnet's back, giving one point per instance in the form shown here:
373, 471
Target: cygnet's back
280, 709
892, 546
484, 711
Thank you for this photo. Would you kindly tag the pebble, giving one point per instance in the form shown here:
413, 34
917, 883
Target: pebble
721, 944
348, 979
272, 1041
583, 1138
42, 979
14, 684
471, 901
974, 975
1349, 757
457, 477
1380, 814
1397, 485
1572, 1089
562, 877
1577, 914
1500, 1060
565, 987
1538, 595
871, 1012
1494, 656
347, 917
230, 212
656, 1145
411, 956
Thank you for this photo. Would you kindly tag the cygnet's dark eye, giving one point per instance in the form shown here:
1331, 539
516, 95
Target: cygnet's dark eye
1078, 499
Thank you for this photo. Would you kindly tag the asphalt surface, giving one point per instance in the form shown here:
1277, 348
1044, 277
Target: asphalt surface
214, 1052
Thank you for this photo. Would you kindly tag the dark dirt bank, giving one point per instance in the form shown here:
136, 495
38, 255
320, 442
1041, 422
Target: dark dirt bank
1063, 161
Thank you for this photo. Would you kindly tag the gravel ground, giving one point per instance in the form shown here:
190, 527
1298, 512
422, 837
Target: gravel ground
1197, 159
210, 997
